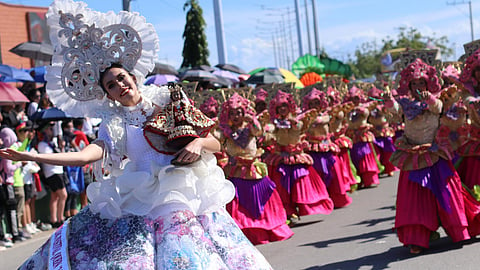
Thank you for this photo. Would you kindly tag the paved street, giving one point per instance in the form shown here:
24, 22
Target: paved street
359, 236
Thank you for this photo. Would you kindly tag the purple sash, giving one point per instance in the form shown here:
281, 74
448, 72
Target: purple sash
323, 163
290, 174
435, 178
359, 150
253, 194
385, 143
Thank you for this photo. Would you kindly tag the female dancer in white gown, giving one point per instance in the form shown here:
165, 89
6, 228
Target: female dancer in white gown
145, 213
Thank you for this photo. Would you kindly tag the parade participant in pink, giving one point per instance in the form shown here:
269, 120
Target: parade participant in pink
383, 132
257, 207
468, 165
359, 130
261, 101
449, 75
429, 189
338, 126
395, 120
298, 183
210, 108
264, 118
324, 151
453, 130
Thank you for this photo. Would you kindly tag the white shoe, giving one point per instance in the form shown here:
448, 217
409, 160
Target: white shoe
29, 229
6, 243
34, 227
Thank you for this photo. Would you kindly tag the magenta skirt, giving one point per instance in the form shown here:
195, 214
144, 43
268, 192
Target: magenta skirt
421, 205
328, 166
363, 157
307, 193
264, 222
469, 171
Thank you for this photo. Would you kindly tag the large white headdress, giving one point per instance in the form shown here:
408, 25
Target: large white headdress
86, 42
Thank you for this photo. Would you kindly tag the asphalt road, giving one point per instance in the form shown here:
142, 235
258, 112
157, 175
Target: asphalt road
359, 236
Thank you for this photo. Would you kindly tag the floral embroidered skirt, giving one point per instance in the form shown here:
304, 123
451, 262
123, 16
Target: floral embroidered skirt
179, 240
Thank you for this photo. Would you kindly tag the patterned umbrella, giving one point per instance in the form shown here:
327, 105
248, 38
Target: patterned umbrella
160, 79
227, 75
273, 75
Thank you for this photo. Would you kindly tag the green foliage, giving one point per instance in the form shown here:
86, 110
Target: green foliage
366, 61
195, 47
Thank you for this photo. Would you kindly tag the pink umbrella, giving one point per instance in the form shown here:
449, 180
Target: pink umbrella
10, 95
161, 79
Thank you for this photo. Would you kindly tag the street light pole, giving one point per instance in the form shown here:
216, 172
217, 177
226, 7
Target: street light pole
315, 27
471, 20
126, 5
217, 9
308, 28
299, 28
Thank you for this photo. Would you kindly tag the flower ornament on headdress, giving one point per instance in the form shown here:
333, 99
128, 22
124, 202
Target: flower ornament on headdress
261, 95
312, 95
209, 106
86, 43
450, 71
418, 70
279, 99
471, 64
355, 92
234, 102
334, 96
375, 93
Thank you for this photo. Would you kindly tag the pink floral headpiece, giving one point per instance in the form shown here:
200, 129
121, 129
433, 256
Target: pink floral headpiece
209, 105
234, 102
450, 71
312, 95
261, 95
334, 96
418, 70
374, 92
472, 63
355, 92
279, 99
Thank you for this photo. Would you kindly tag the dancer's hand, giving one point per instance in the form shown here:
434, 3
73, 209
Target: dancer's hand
16, 155
191, 152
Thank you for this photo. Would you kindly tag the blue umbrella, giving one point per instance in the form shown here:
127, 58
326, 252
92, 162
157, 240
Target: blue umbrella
39, 73
14, 73
50, 114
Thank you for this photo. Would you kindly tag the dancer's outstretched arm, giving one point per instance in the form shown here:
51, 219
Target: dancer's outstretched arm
89, 154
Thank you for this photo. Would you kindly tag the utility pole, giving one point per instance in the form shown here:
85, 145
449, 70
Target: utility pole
315, 28
308, 28
299, 28
274, 49
290, 37
222, 54
126, 5
470, 9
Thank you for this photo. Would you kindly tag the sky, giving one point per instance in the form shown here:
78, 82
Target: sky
263, 33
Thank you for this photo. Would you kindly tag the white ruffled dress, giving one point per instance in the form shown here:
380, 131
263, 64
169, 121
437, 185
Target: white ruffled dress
151, 215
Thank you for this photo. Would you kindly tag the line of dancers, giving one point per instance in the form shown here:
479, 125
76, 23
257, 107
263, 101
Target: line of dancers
289, 159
